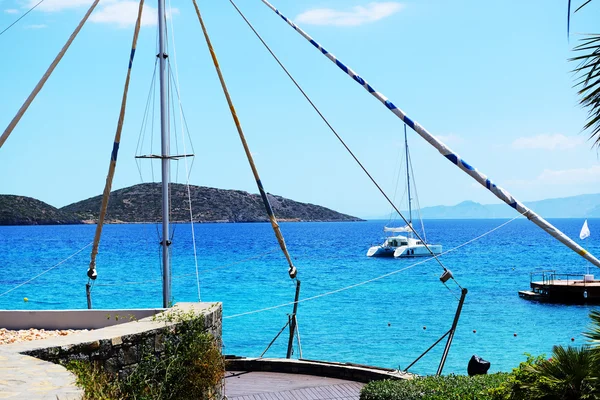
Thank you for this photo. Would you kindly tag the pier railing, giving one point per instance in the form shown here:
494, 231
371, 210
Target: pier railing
547, 277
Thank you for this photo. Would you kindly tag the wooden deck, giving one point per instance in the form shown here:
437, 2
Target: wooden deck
281, 386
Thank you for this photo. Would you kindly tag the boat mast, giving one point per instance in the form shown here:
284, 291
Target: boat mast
164, 135
408, 179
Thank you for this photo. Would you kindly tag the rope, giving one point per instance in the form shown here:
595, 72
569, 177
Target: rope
48, 270
338, 136
187, 170
444, 150
21, 17
373, 279
115, 150
45, 77
292, 270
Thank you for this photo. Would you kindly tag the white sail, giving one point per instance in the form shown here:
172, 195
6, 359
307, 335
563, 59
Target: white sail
585, 231
405, 228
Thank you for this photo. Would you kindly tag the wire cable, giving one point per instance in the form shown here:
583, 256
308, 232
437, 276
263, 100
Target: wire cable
49, 269
338, 136
21, 17
373, 279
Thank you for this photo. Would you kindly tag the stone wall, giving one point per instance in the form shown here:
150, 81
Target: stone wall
119, 348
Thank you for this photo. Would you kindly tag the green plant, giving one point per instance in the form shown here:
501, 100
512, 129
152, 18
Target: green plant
569, 374
520, 382
435, 388
189, 365
97, 384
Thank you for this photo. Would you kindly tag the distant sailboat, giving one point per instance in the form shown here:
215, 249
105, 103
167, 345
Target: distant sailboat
585, 231
400, 246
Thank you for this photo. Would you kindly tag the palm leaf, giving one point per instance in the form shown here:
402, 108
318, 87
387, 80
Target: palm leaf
593, 333
569, 13
588, 82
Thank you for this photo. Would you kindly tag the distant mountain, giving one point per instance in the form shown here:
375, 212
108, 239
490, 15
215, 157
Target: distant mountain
142, 203
582, 206
21, 210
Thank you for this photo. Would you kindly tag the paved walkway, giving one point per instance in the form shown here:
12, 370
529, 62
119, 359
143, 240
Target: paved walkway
281, 386
24, 377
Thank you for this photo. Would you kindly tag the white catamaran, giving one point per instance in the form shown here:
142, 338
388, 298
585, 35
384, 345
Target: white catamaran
405, 245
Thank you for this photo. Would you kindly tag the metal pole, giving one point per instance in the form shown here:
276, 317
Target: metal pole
88, 294
452, 330
293, 320
164, 129
408, 178
426, 351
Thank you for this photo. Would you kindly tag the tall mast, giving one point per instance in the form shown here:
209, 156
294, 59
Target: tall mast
164, 135
408, 178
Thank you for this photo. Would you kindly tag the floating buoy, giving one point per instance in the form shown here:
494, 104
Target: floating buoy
25, 299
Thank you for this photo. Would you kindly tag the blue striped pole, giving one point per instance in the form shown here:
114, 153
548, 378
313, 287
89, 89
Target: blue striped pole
92, 274
499, 192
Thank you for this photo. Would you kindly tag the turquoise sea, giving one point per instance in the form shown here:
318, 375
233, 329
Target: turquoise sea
380, 323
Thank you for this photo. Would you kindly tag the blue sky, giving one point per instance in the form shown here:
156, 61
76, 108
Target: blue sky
491, 79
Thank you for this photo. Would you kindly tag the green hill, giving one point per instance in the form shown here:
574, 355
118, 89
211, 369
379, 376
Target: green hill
21, 210
142, 203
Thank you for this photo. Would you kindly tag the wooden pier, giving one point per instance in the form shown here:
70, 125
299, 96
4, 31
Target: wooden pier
243, 385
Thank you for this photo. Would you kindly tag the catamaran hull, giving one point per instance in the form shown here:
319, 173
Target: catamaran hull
381, 251
417, 251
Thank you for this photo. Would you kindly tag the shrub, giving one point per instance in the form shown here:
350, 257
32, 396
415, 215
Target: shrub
190, 367
435, 388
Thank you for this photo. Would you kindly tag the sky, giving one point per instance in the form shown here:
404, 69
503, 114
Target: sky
490, 79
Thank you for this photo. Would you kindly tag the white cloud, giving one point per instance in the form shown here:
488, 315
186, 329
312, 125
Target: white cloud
124, 14
37, 26
58, 5
357, 15
547, 142
11, 11
570, 176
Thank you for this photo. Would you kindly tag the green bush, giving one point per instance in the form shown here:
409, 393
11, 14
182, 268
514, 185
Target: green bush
190, 367
520, 382
435, 388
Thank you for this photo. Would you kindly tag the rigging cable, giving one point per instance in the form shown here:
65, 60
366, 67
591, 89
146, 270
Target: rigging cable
373, 279
21, 17
45, 77
48, 270
143, 128
339, 138
187, 171
292, 271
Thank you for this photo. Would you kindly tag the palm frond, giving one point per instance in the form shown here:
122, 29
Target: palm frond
569, 13
588, 82
593, 332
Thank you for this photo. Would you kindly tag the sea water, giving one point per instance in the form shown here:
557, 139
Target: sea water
386, 322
